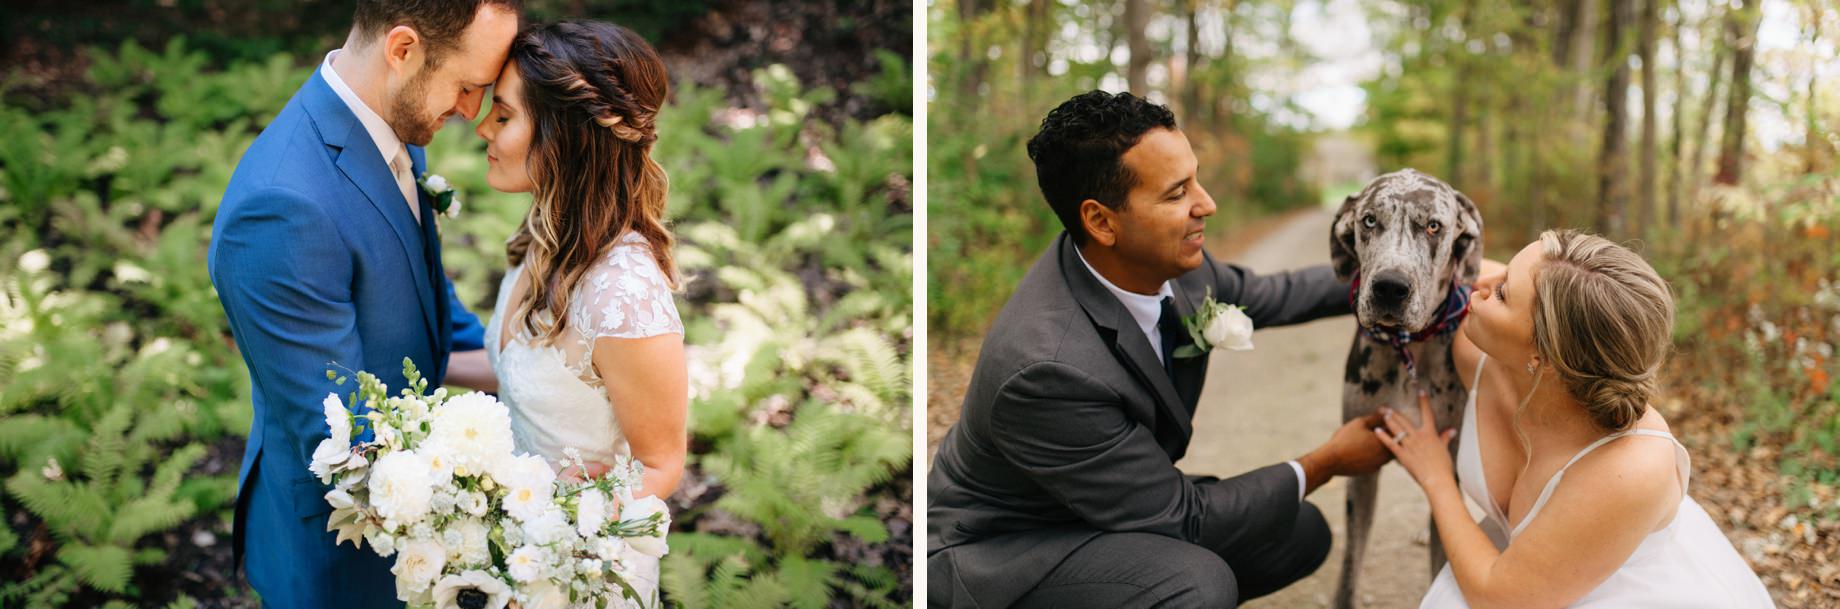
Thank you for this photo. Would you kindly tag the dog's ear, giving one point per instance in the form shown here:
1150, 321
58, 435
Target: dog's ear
1341, 238
1467, 250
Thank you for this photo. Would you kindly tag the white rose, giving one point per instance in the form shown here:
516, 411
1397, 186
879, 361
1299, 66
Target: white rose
417, 566
384, 544
34, 261
590, 512
437, 183
337, 418
469, 545
1230, 329
473, 430
473, 502
329, 453
545, 595
640, 509
447, 591
525, 564
654, 547
453, 207
399, 487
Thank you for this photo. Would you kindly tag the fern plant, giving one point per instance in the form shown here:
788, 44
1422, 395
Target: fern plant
92, 440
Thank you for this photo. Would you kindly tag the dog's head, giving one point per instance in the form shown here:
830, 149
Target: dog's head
1409, 235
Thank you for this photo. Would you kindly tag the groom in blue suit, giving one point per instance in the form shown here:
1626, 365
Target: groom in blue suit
325, 250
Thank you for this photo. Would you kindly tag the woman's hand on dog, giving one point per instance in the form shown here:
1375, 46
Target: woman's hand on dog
1421, 449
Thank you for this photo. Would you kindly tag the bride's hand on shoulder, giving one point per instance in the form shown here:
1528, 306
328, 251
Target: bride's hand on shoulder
1421, 449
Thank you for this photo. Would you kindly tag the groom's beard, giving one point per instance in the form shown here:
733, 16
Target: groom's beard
405, 115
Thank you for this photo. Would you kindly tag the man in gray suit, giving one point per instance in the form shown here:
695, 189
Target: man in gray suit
1058, 487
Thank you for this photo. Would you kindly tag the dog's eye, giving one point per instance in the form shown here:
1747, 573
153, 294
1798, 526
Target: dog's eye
1369, 221
1434, 227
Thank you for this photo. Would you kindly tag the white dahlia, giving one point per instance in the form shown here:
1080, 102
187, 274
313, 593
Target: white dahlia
400, 488
473, 429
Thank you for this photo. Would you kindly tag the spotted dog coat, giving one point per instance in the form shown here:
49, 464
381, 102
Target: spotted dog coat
1410, 238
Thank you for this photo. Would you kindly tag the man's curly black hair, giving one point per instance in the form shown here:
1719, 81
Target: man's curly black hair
1079, 152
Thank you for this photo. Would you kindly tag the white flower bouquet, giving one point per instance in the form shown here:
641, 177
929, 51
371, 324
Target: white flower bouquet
434, 480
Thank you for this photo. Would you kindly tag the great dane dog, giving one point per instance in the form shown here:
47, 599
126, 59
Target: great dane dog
1411, 246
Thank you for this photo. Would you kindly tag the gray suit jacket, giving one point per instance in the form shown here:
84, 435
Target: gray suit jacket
1071, 427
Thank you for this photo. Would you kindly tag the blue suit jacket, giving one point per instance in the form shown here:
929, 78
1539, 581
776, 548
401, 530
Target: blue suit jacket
317, 259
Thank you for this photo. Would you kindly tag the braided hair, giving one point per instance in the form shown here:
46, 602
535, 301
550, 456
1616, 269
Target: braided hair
594, 90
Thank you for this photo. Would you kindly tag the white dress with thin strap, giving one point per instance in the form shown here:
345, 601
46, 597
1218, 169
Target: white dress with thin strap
1688, 564
556, 397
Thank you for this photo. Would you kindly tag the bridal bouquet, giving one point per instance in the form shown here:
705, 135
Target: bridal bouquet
473, 525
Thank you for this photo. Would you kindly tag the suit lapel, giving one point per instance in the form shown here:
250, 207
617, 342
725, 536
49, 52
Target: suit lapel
431, 238
1188, 372
357, 158
1128, 340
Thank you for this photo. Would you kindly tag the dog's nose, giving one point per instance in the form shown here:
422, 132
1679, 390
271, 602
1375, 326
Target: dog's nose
1391, 288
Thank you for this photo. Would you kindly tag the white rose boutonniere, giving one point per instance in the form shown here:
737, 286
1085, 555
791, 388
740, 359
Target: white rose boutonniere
445, 201
1216, 324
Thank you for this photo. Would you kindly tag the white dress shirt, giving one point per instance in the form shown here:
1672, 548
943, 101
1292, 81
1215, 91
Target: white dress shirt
1145, 309
388, 146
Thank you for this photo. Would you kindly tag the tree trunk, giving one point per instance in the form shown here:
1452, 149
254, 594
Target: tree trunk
1702, 135
1459, 112
1583, 34
1645, 41
1742, 28
1191, 62
1136, 16
970, 60
1676, 149
1815, 147
1612, 172
1035, 27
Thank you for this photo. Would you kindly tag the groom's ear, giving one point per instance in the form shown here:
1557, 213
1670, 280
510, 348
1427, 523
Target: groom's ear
1101, 222
401, 46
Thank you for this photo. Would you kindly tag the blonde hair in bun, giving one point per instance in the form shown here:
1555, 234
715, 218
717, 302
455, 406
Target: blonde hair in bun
1603, 319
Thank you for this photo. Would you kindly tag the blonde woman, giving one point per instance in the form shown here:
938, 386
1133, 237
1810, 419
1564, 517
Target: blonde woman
1584, 487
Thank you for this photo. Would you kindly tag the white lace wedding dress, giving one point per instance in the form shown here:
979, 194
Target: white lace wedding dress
556, 397
1688, 564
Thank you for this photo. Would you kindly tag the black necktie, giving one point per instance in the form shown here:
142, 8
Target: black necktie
1169, 324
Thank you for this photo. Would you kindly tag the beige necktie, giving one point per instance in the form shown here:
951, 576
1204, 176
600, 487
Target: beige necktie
402, 168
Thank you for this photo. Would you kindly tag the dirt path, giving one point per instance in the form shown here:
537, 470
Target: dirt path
1283, 398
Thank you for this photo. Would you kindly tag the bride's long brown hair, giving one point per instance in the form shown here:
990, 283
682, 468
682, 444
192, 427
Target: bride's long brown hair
593, 90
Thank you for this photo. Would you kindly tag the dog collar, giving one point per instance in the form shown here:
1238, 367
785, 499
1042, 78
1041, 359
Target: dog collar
1449, 317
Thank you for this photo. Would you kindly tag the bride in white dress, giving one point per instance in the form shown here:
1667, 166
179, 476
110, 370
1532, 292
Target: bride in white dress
1584, 488
585, 339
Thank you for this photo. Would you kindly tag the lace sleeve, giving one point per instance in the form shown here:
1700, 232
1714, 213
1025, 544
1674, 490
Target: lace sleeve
626, 296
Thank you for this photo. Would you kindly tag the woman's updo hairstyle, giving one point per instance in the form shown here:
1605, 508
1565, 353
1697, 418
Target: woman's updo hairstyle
1603, 320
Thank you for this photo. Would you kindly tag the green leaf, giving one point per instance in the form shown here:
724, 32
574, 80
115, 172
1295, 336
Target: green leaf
105, 568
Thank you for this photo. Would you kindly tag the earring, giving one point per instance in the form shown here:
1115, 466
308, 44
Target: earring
1533, 366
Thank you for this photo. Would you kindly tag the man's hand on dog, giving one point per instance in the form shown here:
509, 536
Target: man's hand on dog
1351, 451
